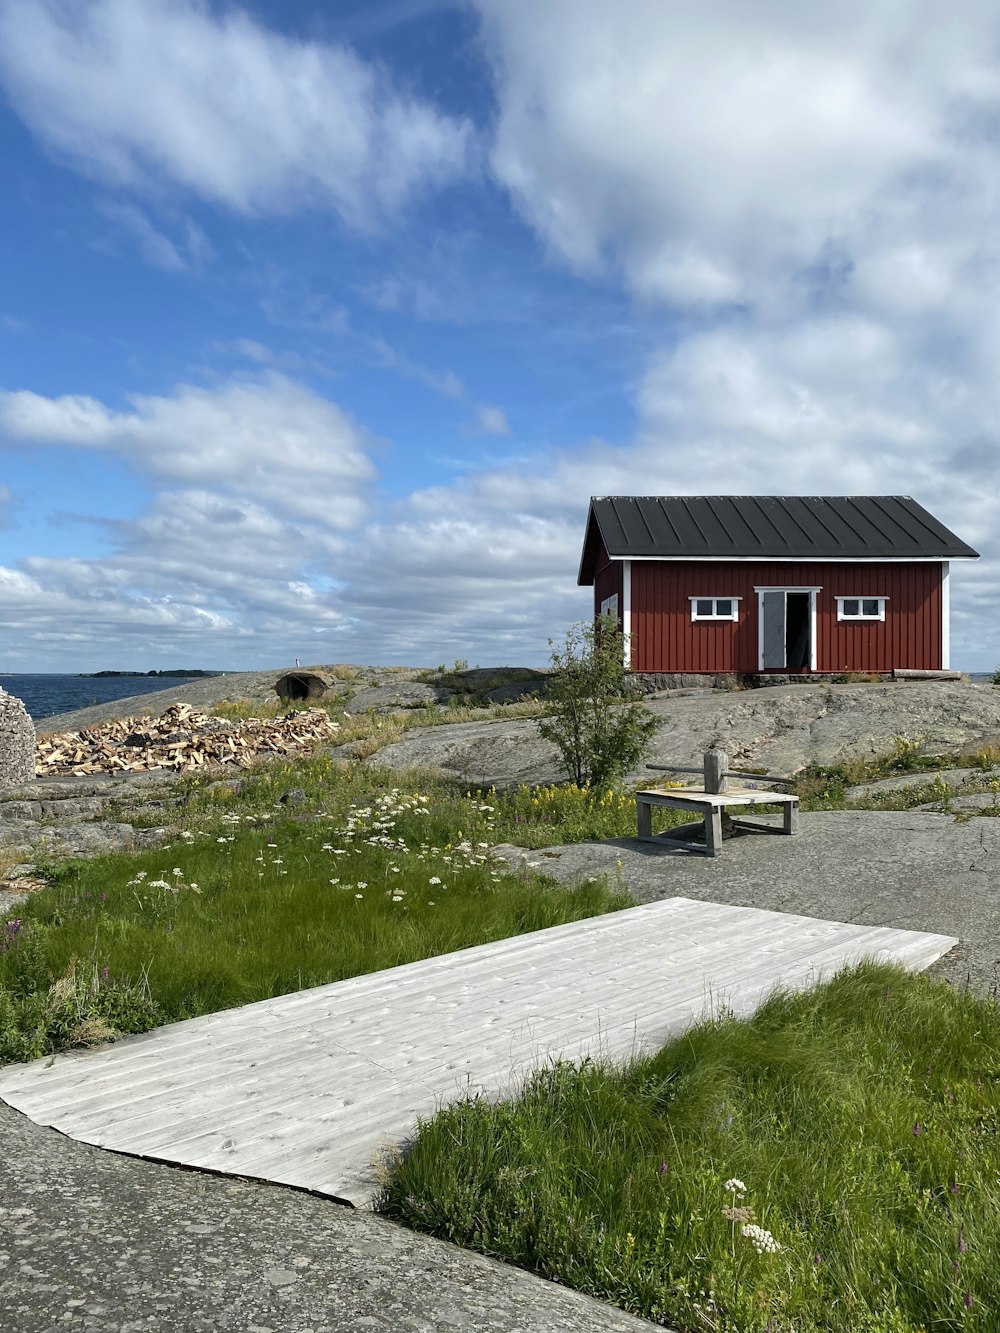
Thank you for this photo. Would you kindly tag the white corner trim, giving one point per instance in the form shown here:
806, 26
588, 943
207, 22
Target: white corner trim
627, 613
945, 616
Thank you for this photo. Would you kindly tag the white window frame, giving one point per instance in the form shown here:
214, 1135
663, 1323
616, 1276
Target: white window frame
732, 615
843, 615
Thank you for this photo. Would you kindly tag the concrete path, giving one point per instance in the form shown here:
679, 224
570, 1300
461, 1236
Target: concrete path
91, 1240
308, 1089
907, 869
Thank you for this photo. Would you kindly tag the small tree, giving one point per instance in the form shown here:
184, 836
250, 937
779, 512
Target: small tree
593, 717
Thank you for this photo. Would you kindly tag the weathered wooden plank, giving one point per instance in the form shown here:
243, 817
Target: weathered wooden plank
540, 1003
515, 1002
304, 1088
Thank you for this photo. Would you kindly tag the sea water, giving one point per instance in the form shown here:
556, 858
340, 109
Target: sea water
46, 694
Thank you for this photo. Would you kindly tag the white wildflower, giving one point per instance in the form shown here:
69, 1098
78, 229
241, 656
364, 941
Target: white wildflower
434, 880
761, 1239
735, 1186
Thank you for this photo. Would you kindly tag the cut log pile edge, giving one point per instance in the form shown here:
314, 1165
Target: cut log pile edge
179, 740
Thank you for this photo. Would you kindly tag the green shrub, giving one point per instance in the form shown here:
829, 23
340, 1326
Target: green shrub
591, 714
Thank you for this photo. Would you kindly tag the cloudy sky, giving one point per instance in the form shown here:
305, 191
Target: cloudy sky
320, 322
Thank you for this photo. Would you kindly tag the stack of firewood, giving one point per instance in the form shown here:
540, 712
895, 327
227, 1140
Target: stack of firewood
180, 739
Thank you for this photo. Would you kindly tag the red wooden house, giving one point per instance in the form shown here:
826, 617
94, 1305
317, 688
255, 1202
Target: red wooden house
754, 584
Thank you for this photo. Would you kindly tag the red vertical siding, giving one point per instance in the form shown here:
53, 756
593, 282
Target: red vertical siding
666, 639
607, 580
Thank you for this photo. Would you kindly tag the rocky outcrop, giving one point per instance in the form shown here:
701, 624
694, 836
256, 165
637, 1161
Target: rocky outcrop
241, 686
52, 818
17, 742
515, 691
397, 698
484, 753
783, 730
792, 726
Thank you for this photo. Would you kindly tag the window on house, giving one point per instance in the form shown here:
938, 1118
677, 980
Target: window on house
715, 608
609, 607
861, 608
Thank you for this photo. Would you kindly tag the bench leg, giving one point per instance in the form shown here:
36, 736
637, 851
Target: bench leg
644, 818
791, 813
713, 832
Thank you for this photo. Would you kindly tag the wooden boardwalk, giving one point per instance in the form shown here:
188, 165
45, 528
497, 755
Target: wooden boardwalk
306, 1089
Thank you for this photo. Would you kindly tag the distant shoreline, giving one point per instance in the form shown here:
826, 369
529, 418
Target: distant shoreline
142, 675
173, 675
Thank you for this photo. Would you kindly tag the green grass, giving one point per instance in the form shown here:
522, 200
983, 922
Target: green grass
562, 813
863, 1118
256, 900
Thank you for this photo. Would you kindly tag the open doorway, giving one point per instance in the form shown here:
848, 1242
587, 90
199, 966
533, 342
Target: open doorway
797, 631
787, 620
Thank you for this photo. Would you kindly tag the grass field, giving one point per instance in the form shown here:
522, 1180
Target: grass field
257, 898
832, 1164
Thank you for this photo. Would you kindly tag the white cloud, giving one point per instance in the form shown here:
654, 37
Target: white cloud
200, 578
207, 99
491, 421
187, 252
271, 439
816, 187
444, 382
713, 153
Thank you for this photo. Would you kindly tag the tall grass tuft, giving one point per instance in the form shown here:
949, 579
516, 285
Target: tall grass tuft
831, 1164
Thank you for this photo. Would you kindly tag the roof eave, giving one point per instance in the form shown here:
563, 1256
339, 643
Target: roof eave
581, 580
789, 559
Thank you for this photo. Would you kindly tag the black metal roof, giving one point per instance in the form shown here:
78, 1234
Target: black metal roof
766, 527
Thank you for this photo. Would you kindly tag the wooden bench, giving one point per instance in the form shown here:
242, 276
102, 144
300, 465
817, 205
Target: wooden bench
711, 800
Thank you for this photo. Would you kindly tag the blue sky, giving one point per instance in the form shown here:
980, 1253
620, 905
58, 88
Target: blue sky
320, 323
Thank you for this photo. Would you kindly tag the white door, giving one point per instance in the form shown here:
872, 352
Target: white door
772, 610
